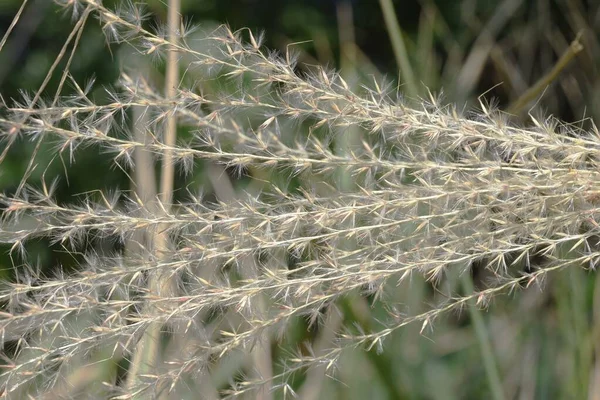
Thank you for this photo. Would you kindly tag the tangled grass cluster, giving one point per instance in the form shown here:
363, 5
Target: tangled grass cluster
350, 196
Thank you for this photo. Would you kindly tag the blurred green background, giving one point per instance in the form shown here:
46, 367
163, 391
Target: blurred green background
545, 342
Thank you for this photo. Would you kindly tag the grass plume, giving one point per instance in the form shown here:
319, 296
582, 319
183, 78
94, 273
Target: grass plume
438, 192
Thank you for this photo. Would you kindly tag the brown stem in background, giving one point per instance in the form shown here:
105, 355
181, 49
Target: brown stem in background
147, 352
518, 106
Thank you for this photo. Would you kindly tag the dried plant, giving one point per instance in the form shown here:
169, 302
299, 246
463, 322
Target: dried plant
435, 193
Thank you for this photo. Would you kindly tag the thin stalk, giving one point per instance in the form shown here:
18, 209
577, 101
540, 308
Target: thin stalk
379, 360
147, 351
594, 385
312, 388
12, 24
489, 360
517, 106
400, 53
